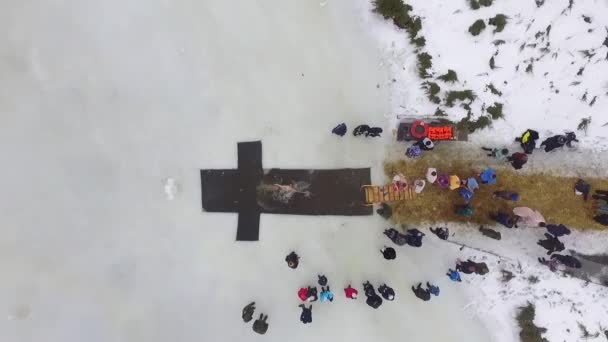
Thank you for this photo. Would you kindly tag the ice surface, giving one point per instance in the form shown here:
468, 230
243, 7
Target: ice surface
102, 99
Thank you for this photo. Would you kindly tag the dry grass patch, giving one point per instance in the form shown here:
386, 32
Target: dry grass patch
552, 195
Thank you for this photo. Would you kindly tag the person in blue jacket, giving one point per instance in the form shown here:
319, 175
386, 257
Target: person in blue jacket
433, 289
326, 295
454, 275
488, 176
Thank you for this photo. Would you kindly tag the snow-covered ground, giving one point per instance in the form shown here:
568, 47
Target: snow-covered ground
103, 101
549, 99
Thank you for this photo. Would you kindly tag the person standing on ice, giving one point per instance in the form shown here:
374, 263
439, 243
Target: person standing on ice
498, 153
518, 160
350, 292
567, 260
433, 289
340, 130
373, 299
306, 315
303, 294
388, 253
414, 237
454, 275
326, 295
421, 293
322, 280
292, 260
248, 312
488, 176
260, 326
387, 292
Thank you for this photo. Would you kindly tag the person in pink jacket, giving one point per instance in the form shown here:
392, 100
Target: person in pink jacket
529, 217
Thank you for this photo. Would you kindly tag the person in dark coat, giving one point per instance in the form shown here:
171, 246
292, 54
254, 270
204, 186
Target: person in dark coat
491, 233
388, 253
373, 299
322, 280
551, 244
567, 260
518, 160
292, 260
394, 235
582, 188
387, 292
506, 195
601, 219
260, 326
421, 293
248, 312
442, 233
360, 130
504, 219
558, 141
385, 211
600, 195
312, 294
557, 230
528, 140
340, 130
413, 240
306, 315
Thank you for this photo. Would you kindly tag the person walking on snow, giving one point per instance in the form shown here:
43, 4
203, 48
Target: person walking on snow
322, 281
306, 315
491, 233
528, 140
442, 233
518, 160
387, 292
414, 237
551, 244
311, 294
557, 230
433, 289
326, 295
388, 253
454, 275
498, 153
350, 292
551, 263
567, 260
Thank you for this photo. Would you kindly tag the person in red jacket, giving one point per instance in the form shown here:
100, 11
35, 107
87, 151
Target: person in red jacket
350, 292
303, 294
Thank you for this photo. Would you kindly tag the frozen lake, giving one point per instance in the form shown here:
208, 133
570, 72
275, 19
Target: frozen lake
103, 100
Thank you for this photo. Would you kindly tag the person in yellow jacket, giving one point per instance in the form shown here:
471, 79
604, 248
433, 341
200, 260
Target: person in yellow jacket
454, 182
528, 140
